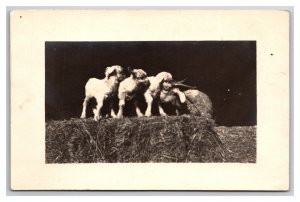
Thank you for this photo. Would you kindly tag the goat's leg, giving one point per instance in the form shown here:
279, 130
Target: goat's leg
121, 107
137, 109
161, 110
112, 111
149, 100
85, 102
98, 108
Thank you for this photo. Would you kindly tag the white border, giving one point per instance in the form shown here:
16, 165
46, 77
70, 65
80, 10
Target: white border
28, 36
3, 78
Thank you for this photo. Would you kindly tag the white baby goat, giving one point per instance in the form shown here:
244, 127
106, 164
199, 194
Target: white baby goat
129, 88
154, 90
103, 89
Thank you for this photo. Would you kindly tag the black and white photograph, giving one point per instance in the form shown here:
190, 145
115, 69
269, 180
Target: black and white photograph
150, 101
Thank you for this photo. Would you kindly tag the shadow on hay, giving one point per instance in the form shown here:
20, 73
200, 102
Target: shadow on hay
183, 138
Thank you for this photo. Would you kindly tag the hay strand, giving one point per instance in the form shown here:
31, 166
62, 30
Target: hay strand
185, 138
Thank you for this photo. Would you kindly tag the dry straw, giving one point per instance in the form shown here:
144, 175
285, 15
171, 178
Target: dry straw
185, 138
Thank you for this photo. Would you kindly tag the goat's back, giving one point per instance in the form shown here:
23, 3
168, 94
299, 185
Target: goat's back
93, 86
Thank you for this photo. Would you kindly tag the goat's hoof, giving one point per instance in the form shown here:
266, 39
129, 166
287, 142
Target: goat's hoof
82, 117
113, 115
97, 118
163, 114
148, 114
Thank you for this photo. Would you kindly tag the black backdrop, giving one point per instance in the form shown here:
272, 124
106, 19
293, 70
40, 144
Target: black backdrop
224, 70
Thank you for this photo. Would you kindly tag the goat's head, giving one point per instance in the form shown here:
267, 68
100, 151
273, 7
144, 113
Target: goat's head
140, 77
115, 70
164, 77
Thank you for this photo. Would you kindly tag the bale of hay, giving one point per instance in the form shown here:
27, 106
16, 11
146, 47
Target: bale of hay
198, 103
149, 139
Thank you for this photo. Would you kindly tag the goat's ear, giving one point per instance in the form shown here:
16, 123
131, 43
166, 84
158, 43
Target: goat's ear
134, 74
109, 71
161, 78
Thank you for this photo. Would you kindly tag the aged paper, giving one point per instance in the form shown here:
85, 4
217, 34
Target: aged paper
31, 28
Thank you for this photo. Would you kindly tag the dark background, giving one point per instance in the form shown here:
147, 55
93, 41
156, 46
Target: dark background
225, 71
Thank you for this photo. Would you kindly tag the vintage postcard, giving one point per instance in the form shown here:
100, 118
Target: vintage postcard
149, 99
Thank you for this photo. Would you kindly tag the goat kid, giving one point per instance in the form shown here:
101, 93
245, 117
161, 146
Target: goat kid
103, 89
153, 91
130, 87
